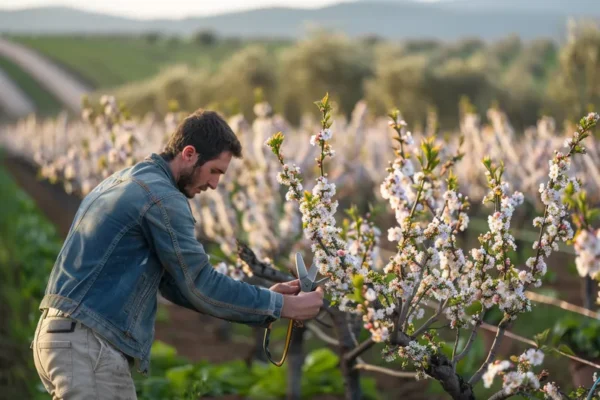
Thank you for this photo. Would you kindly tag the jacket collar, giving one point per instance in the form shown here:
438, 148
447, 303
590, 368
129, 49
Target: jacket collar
158, 160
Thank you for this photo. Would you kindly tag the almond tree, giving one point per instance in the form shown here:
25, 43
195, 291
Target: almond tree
429, 270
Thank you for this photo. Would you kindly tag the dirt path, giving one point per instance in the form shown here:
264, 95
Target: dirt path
60, 83
13, 101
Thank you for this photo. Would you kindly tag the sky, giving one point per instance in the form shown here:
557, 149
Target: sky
145, 9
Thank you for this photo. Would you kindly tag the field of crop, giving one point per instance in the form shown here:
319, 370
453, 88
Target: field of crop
45, 103
106, 62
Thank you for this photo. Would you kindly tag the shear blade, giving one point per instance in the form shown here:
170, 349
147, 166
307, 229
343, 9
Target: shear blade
300, 267
312, 273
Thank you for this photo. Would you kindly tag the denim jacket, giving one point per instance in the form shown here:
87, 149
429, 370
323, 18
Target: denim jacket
132, 237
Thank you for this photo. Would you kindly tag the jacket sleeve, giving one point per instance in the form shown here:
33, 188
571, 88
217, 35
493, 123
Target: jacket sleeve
169, 290
169, 227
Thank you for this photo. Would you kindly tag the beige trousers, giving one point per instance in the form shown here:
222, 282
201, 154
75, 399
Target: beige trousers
79, 364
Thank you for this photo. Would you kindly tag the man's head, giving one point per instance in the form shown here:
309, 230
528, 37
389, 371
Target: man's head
200, 150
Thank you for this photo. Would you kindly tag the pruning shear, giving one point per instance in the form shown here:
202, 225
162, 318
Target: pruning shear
307, 284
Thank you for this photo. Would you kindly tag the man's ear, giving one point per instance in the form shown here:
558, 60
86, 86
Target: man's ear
189, 153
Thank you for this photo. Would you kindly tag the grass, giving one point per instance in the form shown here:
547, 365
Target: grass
45, 103
107, 62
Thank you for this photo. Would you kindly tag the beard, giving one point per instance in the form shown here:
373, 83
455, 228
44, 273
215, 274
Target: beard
185, 179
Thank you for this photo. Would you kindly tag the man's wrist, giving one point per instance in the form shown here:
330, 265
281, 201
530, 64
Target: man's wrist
287, 310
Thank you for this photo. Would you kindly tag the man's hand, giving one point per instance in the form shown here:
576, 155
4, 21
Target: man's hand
303, 306
290, 288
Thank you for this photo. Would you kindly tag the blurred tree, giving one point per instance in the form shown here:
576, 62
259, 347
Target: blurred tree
422, 45
371, 40
506, 50
190, 88
448, 82
399, 82
576, 85
239, 76
173, 41
322, 63
520, 99
205, 38
152, 37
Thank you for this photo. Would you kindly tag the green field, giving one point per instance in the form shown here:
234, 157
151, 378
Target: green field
106, 62
45, 103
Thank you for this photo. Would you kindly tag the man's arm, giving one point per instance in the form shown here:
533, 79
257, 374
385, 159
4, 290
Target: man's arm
169, 290
169, 227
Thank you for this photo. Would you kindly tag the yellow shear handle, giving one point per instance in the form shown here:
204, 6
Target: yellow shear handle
288, 339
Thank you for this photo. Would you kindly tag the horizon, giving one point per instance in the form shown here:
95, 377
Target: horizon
174, 9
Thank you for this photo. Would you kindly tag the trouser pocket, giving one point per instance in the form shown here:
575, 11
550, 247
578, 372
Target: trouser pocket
56, 362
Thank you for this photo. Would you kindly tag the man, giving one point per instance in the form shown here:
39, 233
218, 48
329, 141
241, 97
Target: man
132, 237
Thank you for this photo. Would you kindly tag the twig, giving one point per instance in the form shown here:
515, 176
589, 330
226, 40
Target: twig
430, 320
540, 298
396, 316
414, 306
455, 346
521, 339
470, 342
358, 350
387, 371
322, 335
325, 324
325, 249
492, 354
406, 306
351, 329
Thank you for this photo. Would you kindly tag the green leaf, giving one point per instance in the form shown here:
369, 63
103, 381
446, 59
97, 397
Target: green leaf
474, 308
566, 349
162, 350
358, 281
180, 376
593, 214
320, 361
541, 338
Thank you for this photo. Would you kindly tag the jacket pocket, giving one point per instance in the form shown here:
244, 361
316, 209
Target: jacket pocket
56, 361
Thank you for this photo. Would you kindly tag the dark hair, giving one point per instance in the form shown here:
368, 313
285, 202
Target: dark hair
208, 132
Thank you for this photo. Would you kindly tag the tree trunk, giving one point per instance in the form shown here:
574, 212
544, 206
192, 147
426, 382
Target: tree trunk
223, 330
351, 376
258, 351
588, 292
295, 361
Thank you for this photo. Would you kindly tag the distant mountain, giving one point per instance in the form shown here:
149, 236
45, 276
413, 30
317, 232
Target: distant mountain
563, 7
445, 20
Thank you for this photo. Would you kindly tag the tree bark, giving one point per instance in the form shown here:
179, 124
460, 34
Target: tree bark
295, 362
440, 368
588, 292
351, 375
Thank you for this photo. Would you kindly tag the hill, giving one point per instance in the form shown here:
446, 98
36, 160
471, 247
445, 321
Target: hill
400, 19
573, 8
